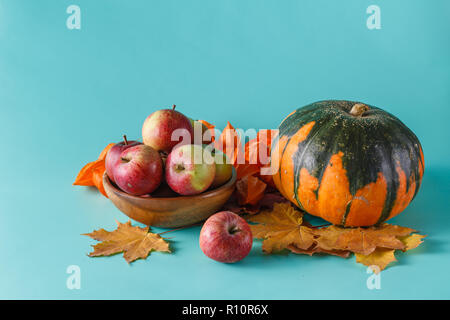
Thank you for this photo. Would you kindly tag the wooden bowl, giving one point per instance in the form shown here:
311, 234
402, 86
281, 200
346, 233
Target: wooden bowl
170, 212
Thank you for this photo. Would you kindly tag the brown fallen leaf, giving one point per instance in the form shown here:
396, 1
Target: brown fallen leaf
135, 242
362, 240
315, 249
283, 227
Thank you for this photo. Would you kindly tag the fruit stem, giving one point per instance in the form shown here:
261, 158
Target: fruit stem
173, 107
233, 230
125, 139
358, 109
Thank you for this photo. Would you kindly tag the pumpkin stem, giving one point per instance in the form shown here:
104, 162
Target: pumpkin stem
358, 109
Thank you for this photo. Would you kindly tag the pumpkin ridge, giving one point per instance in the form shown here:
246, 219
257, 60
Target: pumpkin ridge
347, 211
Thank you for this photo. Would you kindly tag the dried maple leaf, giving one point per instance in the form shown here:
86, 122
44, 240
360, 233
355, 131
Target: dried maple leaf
281, 227
380, 257
135, 242
284, 228
315, 249
92, 173
362, 240
411, 241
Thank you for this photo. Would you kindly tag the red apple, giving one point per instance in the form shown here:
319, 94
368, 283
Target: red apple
159, 126
226, 237
224, 169
140, 170
188, 170
113, 155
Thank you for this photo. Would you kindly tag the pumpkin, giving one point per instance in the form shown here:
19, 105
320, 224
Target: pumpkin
347, 162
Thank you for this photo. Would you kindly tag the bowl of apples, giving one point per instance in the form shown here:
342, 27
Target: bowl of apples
166, 183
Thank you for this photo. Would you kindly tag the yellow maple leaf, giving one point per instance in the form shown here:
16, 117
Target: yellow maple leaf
281, 227
135, 242
411, 241
380, 257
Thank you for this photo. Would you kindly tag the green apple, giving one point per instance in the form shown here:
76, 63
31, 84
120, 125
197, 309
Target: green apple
224, 169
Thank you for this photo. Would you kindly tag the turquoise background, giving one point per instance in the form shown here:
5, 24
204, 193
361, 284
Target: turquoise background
65, 94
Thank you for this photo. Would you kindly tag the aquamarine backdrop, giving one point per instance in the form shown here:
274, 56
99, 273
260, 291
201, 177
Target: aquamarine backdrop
65, 94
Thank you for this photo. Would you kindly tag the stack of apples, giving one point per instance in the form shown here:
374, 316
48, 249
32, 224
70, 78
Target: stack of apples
169, 156
191, 166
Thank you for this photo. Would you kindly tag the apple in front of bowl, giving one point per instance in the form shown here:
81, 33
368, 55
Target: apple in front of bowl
140, 170
113, 155
190, 169
226, 237
159, 127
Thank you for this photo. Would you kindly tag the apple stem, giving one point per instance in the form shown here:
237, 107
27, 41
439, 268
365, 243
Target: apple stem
173, 107
125, 139
233, 229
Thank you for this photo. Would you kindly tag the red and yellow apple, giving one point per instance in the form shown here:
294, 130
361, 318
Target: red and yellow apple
224, 169
226, 237
159, 127
140, 170
190, 169
113, 155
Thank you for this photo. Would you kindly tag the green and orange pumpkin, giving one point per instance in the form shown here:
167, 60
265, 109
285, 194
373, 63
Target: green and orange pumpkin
349, 163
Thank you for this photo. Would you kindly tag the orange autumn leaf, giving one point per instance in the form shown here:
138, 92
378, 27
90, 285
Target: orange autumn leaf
210, 128
84, 177
244, 170
97, 177
229, 143
268, 179
207, 124
92, 173
250, 190
104, 152
135, 242
257, 150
